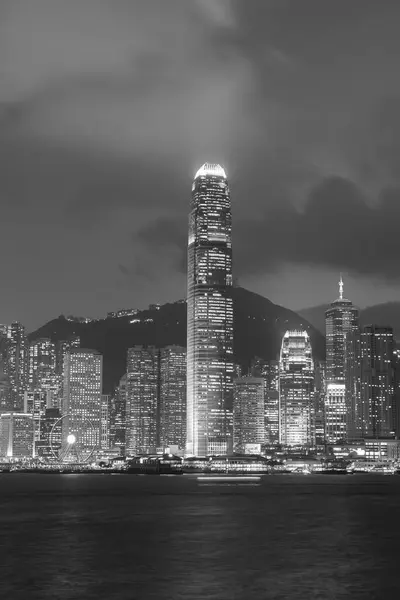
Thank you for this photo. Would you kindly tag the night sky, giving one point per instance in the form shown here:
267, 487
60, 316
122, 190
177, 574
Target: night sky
107, 109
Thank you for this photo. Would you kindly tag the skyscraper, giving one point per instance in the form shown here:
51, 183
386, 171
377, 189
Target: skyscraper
172, 404
377, 381
83, 371
142, 390
340, 319
296, 390
248, 413
16, 436
118, 416
209, 315
17, 363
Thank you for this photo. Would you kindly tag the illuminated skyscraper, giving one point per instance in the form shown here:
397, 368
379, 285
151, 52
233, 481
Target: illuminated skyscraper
16, 436
118, 416
296, 390
340, 319
248, 413
377, 408
83, 371
269, 370
17, 363
172, 405
209, 316
142, 389
335, 412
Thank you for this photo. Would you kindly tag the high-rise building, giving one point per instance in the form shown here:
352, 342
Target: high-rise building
105, 422
118, 416
35, 403
248, 412
340, 319
83, 370
16, 365
172, 403
16, 436
335, 412
209, 315
377, 381
62, 347
296, 390
42, 363
371, 382
269, 371
353, 384
320, 394
50, 435
142, 391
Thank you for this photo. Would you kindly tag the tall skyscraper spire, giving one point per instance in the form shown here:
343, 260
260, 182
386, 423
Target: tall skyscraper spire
209, 316
340, 319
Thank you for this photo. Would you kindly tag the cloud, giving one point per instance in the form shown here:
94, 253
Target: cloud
336, 229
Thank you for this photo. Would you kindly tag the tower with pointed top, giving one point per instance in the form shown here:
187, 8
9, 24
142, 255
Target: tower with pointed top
341, 321
210, 316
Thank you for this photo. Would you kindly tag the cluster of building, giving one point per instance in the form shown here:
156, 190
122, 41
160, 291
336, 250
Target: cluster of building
195, 400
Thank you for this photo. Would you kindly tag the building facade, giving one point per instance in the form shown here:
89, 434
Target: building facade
377, 382
335, 412
296, 390
248, 412
340, 320
81, 406
172, 402
118, 416
16, 364
142, 400
209, 316
16, 436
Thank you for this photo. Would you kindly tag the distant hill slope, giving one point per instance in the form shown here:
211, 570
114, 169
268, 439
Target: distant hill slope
258, 329
315, 315
379, 314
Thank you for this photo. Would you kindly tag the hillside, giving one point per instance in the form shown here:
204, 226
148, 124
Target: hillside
379, 314
258, 329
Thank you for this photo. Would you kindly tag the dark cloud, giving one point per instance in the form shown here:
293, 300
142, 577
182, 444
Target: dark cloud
337, 229
107, 108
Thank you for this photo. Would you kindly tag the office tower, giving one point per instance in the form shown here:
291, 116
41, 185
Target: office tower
62, 348
17, 364
81, 405
371, 382
269, 371
340, 319
377, 381
118, 416
172, 404
16, 436
248, 412
335, 412
209, 316
142, 389
50, 435
353, 384
42, 363
320, 394
35, 403
105, 422
296, 390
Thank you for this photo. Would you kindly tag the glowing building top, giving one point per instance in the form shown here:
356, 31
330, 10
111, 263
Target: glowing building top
210, 169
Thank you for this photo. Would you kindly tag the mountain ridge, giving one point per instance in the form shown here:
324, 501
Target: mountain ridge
259, 325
